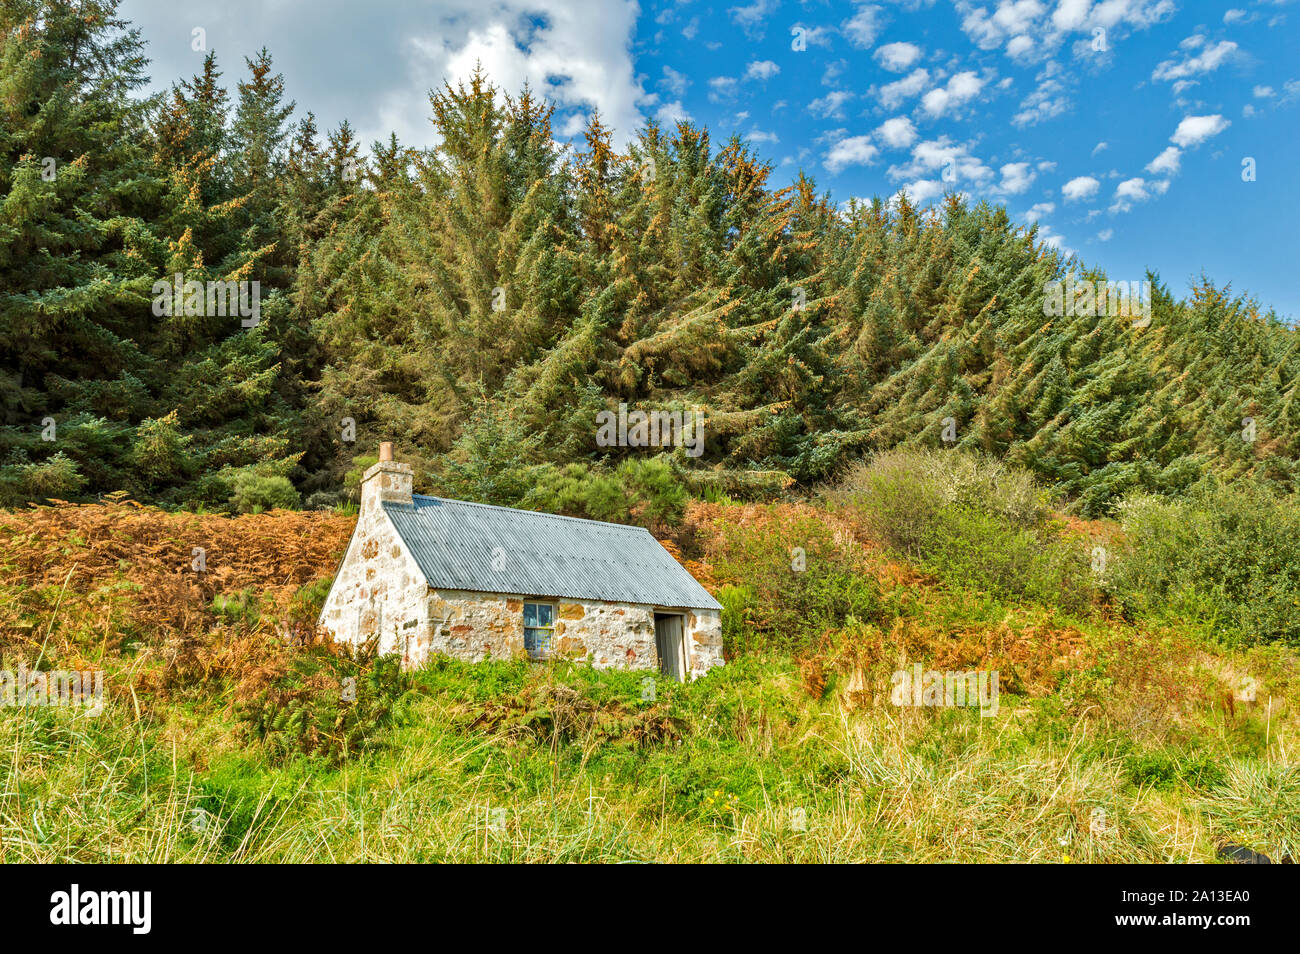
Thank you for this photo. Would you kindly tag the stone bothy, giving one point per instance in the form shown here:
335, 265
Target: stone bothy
426, 575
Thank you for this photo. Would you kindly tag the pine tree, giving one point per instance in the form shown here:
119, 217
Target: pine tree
77, 193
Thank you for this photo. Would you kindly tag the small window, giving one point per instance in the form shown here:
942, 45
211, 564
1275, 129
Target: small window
539, 627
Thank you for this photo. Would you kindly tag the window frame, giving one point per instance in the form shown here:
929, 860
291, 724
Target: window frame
549, 630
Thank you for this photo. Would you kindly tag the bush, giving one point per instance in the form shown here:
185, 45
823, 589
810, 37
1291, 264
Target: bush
657, 497
979, 550
160, 450
326, 700
643, 492
255, 493
1226, 557
971, 520
799, 580
901, 495
55, 477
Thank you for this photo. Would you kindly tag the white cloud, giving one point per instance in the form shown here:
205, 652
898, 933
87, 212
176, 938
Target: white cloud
577, 52
1167, 163
1194, 130
1263, 92
752, 18
1011, 18
1105, 235
674, 82
830, 106
961, 88
862, 27
814, 36
1021, 47
722, 88
1100, 147
953, 161
1016, 178
1033, 28
670, 114
1135, 190
897, 57
1070, 15
1209, 60
1080, 187
1039, 210
923, 190
854, 151
1047, 101
891, 94
761, 70
1052, 239
897, 133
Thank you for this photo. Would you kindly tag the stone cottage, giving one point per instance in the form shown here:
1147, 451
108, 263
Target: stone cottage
427, 575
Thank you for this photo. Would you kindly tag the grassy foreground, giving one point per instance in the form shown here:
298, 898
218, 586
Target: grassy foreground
228, 733
716, 771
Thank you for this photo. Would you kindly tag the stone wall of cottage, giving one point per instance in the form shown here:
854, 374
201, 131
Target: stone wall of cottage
703, 640
379, 589
479, 626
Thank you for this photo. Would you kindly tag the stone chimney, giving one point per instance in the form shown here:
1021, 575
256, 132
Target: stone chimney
386, 482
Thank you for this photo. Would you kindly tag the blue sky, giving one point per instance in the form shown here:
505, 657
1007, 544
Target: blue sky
1137, 133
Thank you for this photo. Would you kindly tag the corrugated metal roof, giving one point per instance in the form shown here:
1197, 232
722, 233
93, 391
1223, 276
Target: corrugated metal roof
540, 554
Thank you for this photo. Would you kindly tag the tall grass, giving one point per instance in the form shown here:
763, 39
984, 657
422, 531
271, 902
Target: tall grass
759, 772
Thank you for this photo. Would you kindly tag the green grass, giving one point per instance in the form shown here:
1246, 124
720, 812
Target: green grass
578, 783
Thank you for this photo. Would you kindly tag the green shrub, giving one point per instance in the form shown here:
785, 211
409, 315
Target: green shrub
644, 492
901, 495
973, 521
799, 580
330, 701
254, 493
160, 451
1167, 769
55, 477
1226, 557
737, 611
657, 497
980, 550
242, 607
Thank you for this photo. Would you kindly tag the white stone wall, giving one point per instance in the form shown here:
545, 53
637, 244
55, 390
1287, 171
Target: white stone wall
478, 626
379, 589
703, 640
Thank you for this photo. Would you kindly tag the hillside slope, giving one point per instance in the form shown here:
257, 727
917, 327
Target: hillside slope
224, 735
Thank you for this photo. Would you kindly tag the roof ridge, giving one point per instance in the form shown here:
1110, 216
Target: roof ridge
532, 513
